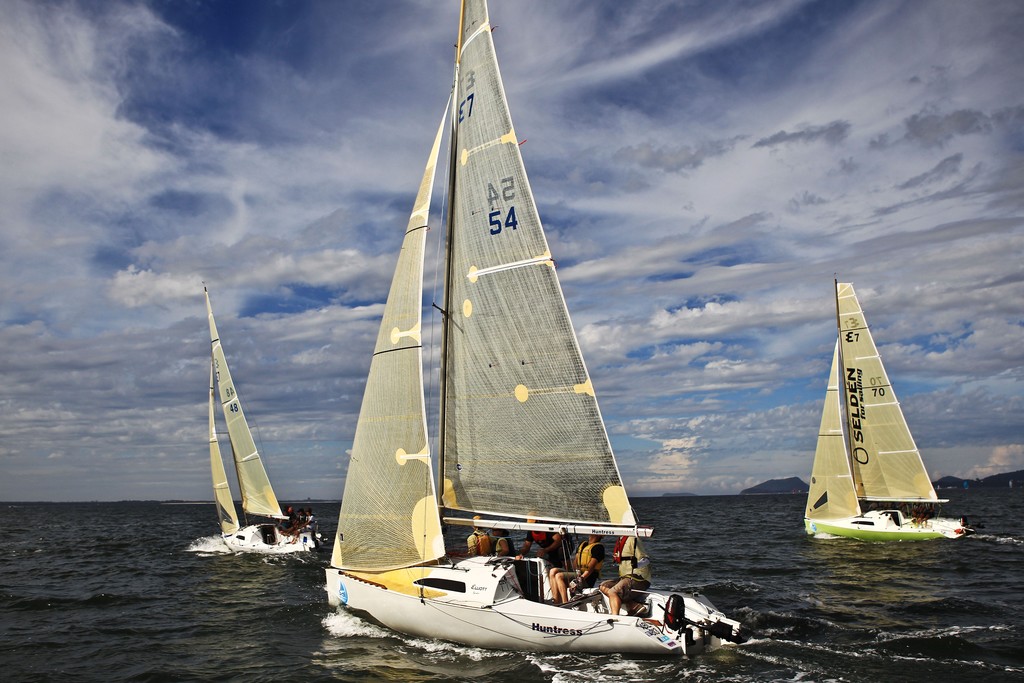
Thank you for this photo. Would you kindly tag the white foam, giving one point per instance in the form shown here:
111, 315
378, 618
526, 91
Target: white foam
209, 545
345, 625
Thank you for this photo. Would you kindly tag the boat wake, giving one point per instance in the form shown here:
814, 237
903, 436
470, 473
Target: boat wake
344, 625
1000, 540
209, 545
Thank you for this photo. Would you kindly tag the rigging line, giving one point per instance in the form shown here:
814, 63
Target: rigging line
404, 348
449, 250
841, 397
429, 512
259, 436
432, 391
568, 551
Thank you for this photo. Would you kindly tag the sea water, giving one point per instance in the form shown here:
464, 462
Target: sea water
146, 592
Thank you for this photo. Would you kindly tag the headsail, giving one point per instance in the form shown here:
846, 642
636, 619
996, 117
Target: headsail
221, 489
886, 462
257, 495
522, 428
389, 489
831, 494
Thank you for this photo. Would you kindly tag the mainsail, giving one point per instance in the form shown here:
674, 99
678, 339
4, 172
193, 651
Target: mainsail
522, 432
831, 494
886, 462
221, 489
389, 489
257, 495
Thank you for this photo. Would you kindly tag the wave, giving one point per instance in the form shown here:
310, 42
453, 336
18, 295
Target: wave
212, 545
1000, 540
345, 625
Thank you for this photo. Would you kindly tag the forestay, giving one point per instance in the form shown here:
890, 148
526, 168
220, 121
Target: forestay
523, 435
221, 489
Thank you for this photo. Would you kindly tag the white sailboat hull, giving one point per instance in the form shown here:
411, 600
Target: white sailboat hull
265, 538
514, 622
888, 525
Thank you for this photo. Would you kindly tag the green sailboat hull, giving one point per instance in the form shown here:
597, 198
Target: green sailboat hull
848, 530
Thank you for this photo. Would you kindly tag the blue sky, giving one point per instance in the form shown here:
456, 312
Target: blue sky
703, 170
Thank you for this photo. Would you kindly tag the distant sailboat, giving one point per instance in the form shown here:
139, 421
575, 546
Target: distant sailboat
868, 480
258, 497
521, 437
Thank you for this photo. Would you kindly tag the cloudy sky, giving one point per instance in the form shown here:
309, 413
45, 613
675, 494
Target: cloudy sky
703, 170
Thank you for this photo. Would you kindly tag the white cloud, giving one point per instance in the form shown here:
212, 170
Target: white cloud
697, 265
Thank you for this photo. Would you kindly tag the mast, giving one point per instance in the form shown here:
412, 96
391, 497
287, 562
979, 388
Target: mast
844, 399
221, 490
448, 233
215, 374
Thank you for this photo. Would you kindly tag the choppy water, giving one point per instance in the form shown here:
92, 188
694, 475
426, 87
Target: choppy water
142, 592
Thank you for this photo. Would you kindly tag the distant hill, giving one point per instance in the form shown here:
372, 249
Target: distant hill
1001, 481
790, 485
676, 495
797, 485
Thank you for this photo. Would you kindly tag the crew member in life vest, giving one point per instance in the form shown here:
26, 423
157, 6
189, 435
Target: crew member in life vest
478, 542
550, 546
586, 570
503, 546
634, 578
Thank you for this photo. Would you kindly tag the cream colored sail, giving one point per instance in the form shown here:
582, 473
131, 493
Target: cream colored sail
522, 432
885, 459
389, 516
831, 494
257, 495
221, 489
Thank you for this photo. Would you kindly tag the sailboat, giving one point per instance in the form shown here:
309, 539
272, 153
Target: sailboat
868, 480
521, 444
258, 497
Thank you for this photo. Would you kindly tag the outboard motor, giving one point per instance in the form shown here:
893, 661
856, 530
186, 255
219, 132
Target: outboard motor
704, 616
730, 631
675, 612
